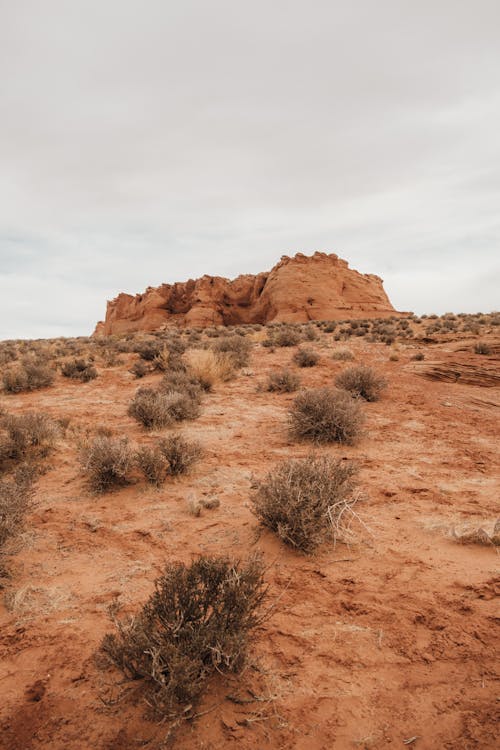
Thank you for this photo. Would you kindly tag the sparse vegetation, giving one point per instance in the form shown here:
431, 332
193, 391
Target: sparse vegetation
326, 415
237, 348
106, 461
482, 348
197, 621
343, 355
28, 375
361, 381
283, 381
306, 357
15, 499
79, 369
305, 500
210, 367
180, 453
157, 408
26, 437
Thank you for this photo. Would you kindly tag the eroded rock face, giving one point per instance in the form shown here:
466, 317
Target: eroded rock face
296, 290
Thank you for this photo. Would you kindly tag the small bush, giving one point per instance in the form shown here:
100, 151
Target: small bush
306, 358
180, 453
325, 415
303, 500
79, 369
284, 336
197, 622
106, 461
482, 348
236, 347
139, 369
159, 408
361, 381
343, 355
152, 408
28, 375
15, 499
418, 357
284, 381
208, 367
26, 437
153, 464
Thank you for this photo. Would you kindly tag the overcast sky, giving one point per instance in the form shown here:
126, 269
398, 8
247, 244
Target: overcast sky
150, 141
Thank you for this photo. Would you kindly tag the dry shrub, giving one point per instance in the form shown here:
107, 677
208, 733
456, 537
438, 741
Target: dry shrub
343, 355
106, 461
361, 381
29, 375
159, 408
79, 369
197, 622
180, 453
209, 367
139, 369
173, 455
418, 357
283, 336
27, 437
283, 381
148, 349
305, 500
153, 464
326, 415
305, 357
482, 348
15, 499
236, 347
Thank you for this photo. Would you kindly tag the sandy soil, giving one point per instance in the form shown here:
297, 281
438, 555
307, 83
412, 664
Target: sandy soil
390, 640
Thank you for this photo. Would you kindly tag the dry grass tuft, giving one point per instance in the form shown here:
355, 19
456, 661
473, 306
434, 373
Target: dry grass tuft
306, 500
326, 415
210, 367
197, 621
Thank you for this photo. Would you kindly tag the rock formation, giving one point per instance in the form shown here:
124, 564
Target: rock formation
296, 290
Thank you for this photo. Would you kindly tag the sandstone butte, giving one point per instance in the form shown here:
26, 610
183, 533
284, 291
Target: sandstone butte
296, 290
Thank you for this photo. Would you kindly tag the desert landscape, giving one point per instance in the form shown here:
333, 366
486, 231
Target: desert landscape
337, 458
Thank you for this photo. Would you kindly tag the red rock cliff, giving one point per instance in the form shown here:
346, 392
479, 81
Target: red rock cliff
298, 289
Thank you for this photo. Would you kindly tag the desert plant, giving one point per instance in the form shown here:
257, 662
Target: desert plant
283, 381
180, 453
139, 369
26, 437
305, 357
15, 499
236, 347
197, 621
325, 415
343, 355
28, 375
284, 336
304, 500
106, 462
418, 357
79, 369
482, 347
152, 463
209, 367
361, 381
157, 408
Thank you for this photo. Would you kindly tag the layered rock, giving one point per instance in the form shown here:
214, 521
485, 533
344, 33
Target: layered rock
296, 290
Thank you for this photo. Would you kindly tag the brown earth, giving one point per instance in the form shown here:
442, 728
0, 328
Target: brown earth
296, 290
391, 640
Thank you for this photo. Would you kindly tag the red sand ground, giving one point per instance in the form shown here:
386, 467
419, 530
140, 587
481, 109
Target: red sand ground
389, 640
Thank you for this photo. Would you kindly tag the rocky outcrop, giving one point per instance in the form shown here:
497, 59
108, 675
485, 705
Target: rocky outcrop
296, 290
